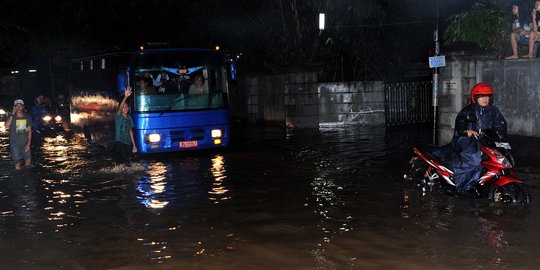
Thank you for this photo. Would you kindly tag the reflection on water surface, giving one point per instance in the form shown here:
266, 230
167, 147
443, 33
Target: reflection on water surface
326, 199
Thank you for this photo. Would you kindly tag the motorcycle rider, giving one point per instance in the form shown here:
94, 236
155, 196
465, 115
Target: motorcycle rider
38, 111
48, 103
480, 114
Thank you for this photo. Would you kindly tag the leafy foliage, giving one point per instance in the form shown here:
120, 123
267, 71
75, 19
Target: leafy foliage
484, 26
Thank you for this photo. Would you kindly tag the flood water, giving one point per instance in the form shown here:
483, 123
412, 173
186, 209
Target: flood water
317, 199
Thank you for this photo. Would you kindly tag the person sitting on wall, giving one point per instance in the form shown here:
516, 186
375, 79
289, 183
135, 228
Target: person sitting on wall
521, 31
534, 34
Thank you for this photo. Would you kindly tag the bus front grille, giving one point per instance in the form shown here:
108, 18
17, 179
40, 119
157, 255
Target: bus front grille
177, 133
182, 139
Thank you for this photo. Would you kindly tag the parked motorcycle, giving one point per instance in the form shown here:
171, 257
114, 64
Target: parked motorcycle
498, 182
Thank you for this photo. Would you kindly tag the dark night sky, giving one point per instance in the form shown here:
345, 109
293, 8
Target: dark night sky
272, 33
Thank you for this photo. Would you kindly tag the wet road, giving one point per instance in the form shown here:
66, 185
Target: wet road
328, 199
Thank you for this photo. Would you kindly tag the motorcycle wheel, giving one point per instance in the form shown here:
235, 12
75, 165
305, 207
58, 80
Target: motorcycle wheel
513, 193
417, 171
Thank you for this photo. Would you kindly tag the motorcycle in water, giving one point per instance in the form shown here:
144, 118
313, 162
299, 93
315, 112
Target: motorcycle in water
48, 124
498, 181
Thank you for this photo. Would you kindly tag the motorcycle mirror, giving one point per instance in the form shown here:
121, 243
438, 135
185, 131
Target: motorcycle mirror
472, 117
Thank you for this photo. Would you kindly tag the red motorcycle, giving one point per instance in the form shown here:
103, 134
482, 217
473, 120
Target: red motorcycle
498, 182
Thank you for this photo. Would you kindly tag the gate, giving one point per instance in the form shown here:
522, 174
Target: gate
408, 103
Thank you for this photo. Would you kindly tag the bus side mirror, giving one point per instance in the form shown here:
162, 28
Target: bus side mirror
232, 70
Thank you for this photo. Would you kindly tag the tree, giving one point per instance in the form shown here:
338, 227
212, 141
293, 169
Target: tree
480, 25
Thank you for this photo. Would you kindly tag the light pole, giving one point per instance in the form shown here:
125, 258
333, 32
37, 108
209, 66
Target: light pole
436, 77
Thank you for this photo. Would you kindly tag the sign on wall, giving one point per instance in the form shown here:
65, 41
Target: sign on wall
437, 61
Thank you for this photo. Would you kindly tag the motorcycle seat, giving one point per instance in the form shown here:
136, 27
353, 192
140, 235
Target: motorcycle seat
441, 153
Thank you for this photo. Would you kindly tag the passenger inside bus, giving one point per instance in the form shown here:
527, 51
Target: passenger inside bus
161, 82
184, 80
199, 86
145, 87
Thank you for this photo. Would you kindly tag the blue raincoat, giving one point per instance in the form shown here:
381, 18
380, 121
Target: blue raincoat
38, 111
467, 162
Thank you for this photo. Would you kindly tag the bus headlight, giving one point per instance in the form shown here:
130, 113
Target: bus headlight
47, 118
153, 137
216, 133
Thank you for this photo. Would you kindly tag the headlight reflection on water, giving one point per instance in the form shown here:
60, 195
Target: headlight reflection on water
152, 185
155, 194
330, 205
64, 194
218, 191
56, 149
165, 187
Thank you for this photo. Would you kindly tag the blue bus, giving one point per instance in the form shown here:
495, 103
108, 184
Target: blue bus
180, 99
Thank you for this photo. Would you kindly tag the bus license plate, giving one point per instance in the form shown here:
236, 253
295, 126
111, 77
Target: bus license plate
188, 144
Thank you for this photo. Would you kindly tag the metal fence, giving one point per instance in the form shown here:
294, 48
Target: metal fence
408, 103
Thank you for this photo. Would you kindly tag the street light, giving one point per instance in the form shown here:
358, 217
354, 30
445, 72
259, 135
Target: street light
321, 21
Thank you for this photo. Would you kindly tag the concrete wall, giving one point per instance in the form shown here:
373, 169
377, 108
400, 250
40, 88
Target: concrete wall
298, 100
265, 98
290, 99
517, 92
349, 103
301, 100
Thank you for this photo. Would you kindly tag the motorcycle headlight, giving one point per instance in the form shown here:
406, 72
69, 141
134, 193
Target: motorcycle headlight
58, 118
46, 118
501, 158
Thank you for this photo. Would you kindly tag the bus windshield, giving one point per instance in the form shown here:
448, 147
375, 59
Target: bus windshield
179, 80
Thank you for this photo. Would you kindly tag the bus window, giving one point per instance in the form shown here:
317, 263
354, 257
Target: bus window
179, 82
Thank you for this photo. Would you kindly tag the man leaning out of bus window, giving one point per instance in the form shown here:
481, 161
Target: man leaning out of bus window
124, 142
